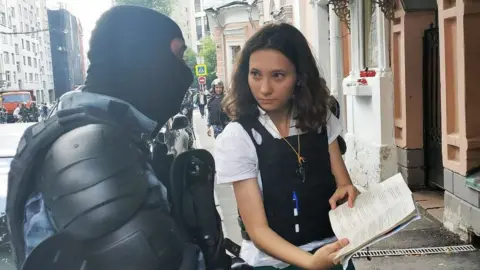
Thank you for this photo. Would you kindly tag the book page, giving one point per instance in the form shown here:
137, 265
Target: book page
377, 227
374, 212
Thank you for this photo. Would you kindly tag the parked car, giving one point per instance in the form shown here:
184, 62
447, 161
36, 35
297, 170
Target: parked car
9, 139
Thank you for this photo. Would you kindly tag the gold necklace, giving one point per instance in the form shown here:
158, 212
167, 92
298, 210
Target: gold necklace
300, 159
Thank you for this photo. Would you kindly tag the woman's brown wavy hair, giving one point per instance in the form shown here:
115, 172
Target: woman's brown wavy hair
311, 93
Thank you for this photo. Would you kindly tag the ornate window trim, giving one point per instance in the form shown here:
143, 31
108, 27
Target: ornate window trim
387, 7
342, 9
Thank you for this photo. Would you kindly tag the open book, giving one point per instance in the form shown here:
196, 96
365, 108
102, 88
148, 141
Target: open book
378, 213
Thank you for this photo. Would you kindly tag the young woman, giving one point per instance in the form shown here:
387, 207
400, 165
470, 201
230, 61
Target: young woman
217, 119
281, 154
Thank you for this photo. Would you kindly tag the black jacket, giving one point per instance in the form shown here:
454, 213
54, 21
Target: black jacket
216, 115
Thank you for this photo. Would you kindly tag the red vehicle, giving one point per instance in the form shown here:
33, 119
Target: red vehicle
11, 98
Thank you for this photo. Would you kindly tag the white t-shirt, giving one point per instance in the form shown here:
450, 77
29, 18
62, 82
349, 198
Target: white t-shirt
236, 159
16, 112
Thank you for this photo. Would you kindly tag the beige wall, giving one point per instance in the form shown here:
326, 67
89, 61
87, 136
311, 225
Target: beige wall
459, 43
459, 75
248, 31
407, 55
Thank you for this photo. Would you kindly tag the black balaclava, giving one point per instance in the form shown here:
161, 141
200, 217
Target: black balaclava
131, 59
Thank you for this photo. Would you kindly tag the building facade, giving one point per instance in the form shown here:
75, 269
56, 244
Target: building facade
26, 62
200, 27
232, 23
66, 51
83, 64
416, 112
181, 15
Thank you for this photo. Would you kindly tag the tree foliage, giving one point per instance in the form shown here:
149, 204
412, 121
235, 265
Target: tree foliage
191, 60
163, 6
209, 53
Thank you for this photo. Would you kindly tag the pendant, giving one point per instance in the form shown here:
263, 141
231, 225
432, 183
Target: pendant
301, 170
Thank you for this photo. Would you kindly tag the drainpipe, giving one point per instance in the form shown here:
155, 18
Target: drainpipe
250, 9
222, 36
336, 63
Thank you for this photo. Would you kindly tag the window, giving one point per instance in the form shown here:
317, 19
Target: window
17, 50
199, 27
17, 98
23, 44
370, 46
36, 78
198, 7
24, 61
20, 84
5, 39
29, 61
6, 57
8, 78
235, 52
21, 27
34, 47
19, 68
28, 45
207, 27
34, 62
14, 76
30, 76
3, 19
13, 58
13, 12
10, 21
26, 77
14, 29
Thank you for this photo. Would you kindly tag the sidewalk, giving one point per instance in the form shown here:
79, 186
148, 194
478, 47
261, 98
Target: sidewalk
424, 233
224, 195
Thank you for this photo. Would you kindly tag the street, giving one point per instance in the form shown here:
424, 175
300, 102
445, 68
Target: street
424, 233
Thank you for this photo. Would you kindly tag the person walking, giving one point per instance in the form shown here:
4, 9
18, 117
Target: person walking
217, 119
202, 102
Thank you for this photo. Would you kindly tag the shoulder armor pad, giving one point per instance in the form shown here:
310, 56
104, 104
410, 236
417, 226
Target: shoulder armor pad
93, 180
31, 150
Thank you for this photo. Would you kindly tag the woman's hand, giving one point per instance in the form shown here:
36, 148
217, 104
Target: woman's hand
324, 257
209, 131
343, 192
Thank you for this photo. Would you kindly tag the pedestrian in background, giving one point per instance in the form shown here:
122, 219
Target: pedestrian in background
217, 119
281, 153
201, 101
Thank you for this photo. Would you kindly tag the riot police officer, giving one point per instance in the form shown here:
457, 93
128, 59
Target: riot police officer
82, 192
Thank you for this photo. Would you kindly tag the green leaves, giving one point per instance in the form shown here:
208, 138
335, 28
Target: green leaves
209, 54
191, 60
162, 6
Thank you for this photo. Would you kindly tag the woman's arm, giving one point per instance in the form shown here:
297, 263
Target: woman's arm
250, 204
345, 188
338, 167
